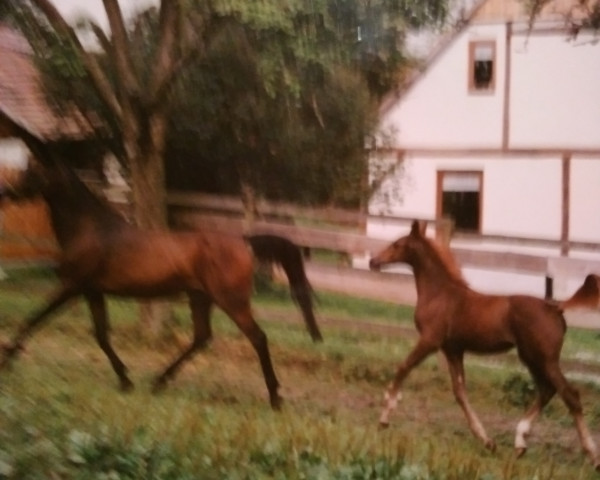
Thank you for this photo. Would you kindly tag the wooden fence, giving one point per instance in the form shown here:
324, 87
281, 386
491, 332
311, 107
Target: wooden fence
225, 214
26, 233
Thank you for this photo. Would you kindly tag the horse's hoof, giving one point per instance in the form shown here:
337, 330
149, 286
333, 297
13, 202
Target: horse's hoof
126, 385
276, 403
316, 336
597, 466
158, 385
520, 451
383, 425
491, 446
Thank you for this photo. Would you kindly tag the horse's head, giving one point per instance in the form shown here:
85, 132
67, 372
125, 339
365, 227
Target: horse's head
37, 180
400, 250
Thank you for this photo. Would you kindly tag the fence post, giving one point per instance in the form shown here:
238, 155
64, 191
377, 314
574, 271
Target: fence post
549, 290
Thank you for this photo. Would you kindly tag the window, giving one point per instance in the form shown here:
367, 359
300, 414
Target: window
459, 198
482, 66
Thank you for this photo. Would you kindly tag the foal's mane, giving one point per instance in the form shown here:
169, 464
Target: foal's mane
446, 260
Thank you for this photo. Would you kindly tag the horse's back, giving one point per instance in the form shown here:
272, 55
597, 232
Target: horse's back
143, 263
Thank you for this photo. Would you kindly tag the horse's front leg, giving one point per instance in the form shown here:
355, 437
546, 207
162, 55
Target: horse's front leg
58, 300
419, 353
97, 307
457, 374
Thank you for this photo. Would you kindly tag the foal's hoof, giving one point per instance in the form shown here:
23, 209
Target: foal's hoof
597, 467
383, 425
520, 451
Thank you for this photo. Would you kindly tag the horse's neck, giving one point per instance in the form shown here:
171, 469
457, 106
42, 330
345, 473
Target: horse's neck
431, 278
73, 217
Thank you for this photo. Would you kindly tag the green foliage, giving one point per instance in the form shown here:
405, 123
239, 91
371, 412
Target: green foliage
278, 97
518, 391
286, 94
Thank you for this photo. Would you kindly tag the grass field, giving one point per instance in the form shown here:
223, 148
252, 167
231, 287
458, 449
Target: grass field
62, 416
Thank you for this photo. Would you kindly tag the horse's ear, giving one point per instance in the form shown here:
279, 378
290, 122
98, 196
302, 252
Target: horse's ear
422, 228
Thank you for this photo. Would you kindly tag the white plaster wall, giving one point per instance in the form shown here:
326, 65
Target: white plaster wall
554, 97
585, 199
438, 112
522, 197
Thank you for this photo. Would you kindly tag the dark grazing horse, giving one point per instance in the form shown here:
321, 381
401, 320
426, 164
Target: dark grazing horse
455, 319
101, 253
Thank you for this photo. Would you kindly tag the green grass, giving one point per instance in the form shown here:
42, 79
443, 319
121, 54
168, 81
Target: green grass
62, 417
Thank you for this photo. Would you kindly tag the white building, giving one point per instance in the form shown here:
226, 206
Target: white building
500, 132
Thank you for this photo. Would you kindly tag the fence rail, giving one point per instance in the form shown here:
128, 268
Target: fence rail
200, 211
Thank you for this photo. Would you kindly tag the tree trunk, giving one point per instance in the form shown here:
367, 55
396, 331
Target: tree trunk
149, 205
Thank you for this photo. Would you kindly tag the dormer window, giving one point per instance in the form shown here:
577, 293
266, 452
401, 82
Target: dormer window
482, 66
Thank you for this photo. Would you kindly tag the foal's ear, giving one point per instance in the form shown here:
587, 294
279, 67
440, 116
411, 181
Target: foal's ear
418, 228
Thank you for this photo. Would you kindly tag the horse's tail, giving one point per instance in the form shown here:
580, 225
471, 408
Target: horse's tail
275, 249
587, 295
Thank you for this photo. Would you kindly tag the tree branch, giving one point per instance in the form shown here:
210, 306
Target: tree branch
99, 79
126, 74
166, 53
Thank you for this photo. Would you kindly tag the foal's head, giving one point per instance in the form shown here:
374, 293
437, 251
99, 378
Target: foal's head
416, 249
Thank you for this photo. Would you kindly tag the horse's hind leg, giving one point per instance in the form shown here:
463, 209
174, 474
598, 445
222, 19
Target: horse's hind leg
457, 374
545, 392
200, 305
97, 306
242, 316
59, 299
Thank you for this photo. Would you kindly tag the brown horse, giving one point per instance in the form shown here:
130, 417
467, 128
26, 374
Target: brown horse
101, 253
587, 296
453, 318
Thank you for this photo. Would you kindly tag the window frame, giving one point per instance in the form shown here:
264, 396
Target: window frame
491, 88
440, 195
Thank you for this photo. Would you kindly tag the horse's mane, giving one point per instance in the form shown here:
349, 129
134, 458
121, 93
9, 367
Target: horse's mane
447, 260
101, 207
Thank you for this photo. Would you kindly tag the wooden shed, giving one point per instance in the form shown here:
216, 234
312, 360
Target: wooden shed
25, 231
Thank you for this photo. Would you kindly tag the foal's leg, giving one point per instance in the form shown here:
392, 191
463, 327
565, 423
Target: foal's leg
457, 374
200, 305
97, 306
419, 353
570, 397
58, 300
545, 392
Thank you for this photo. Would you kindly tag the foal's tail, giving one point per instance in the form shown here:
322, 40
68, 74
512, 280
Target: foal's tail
587, 295
275, 249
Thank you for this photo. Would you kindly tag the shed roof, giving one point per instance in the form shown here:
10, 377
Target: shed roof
22, 99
